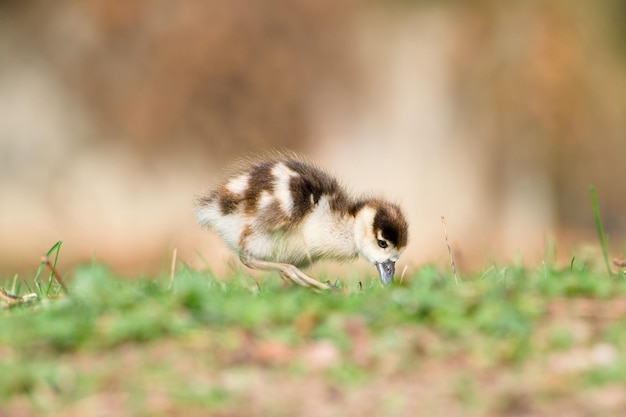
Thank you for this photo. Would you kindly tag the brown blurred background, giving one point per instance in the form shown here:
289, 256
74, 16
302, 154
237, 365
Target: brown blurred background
498, 115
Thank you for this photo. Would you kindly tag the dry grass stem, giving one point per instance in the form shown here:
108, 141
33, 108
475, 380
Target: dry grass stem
55, 274
452, 263
173, 268
403, 272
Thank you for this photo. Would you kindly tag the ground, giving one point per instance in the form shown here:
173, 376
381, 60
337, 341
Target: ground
514, 341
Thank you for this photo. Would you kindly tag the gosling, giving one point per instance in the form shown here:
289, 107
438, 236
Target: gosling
283, 213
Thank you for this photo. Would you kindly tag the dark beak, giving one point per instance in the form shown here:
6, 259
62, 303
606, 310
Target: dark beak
386, 271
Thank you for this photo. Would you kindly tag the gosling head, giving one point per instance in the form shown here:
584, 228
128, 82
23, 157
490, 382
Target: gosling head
381, 234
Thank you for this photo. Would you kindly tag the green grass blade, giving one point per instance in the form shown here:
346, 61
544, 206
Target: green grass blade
604, 243
56, 248
37, 275
41, 291
14, 285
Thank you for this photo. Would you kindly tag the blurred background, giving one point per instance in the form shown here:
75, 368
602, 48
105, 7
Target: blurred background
498, 115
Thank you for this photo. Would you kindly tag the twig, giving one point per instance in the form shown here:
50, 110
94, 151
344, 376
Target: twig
15, 299
173, 268
55, 274
8, 297
452, 263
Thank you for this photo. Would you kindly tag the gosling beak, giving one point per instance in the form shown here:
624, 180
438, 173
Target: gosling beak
386, 270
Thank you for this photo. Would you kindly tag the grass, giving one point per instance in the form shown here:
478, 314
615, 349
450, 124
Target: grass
509, 341
602, 237
195, 345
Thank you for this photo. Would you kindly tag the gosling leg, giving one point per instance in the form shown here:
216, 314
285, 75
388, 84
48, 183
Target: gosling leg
287, 272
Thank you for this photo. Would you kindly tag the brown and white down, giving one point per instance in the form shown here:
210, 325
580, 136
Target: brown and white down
283, 213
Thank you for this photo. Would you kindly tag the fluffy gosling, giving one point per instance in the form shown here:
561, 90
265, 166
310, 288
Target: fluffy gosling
283, 214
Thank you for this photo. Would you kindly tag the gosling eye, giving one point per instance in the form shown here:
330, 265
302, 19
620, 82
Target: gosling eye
382, 243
